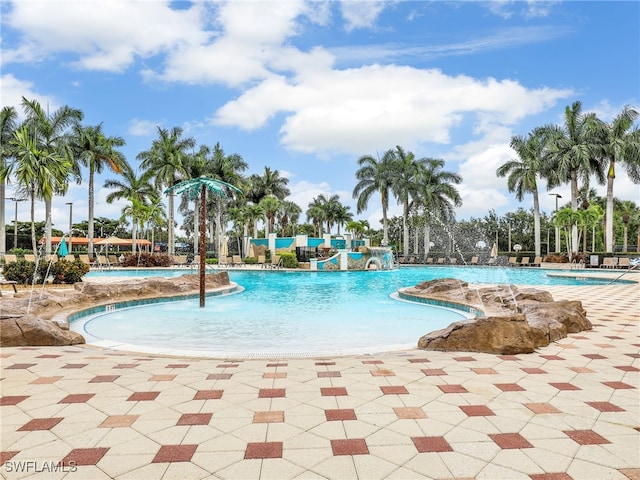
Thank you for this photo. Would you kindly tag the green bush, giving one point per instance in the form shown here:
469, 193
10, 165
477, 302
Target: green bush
289, 260
250, 260
147, 260
68, 272
20, 271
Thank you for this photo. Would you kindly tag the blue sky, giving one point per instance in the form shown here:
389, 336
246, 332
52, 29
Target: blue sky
309, 87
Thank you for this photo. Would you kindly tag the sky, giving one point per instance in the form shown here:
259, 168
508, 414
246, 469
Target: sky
309, 87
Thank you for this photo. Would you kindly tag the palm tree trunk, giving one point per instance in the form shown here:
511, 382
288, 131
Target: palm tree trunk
416, 239
385, 221
609, 209
134, 234
574, 207
536, 222
92, 200
47, 226
427, 237
405, 228
33, 222
624, 244
170, 240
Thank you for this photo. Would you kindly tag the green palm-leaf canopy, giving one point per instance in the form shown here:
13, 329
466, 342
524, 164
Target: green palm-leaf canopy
193, 187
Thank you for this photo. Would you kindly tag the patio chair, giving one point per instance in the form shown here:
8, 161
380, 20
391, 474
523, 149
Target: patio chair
29, 257
593, 261
10, 258
430, 261
276, 262
609, 262
524, 262
492, 261
51, 258
70, 257
440, 261
624, 262
13, 283
237, 261
179, 259
513, 261
261, 260
84, 258
453, 260
113, 259
473, 261
536, 262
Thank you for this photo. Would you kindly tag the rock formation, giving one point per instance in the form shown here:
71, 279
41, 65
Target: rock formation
515, 321
17, 328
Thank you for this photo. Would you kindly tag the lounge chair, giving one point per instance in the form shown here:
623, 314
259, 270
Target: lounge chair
453, 260
261, 260
593, 261
276, 262
624, 262
492, 261
429, 260
13, 283
70, 257
513, 261
440, 261
10, 258
473, 261
609, 262
524, 262
179, 259
84, 258
536, 262
237, 261
29, 257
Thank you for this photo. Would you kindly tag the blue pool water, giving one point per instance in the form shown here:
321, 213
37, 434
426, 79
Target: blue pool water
295, 313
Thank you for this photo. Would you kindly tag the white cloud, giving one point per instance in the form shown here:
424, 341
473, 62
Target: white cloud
360, 14
106, 35
13, 89
381, 106
142, 128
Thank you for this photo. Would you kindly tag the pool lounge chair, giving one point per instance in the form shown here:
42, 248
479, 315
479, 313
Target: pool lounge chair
524, 262
609, 262
10, 258
624, 262
453, 260
430, 261
237, 261
440, 261
536, 262
29, 257
473, 261
513, 261
492, 261
276, 262
13, 283
84, 258
70, 257
179, 259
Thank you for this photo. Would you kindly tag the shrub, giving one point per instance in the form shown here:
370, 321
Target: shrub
68, 272
20, 271
147, 260
250, 260
558, 258
289, 260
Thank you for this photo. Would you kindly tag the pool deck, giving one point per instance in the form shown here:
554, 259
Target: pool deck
569, 411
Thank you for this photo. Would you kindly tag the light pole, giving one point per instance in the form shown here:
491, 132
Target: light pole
557, 195
70, 225
15, 221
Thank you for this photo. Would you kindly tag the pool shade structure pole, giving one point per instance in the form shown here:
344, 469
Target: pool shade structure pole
199, 186
203, 234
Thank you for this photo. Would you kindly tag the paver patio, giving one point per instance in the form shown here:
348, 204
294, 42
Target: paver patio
569, 411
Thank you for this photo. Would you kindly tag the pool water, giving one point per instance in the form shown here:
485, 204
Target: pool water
296, 313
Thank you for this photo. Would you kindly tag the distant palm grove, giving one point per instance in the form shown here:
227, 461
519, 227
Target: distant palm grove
42, 153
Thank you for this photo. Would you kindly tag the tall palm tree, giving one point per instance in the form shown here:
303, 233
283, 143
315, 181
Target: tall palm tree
166, 158
8, 124
342, 215
270, 206
272, 183
374, 176
137, 189
289, 215
404, 186
570, 153
523, 174
93, 149
436, 194
50, 134
618, 142
315, 213
40, 172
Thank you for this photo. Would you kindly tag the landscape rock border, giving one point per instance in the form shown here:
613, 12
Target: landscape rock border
515, 320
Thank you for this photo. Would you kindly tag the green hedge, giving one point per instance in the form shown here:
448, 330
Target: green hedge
289, 260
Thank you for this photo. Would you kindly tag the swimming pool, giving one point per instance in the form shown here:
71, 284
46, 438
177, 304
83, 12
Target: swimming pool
293, 313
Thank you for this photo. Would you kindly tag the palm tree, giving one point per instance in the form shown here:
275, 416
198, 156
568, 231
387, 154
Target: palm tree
570, 153
404, 186
8, 125
38, 171
316, 214
289, 215
270, 206
166, 158
93, 149
523, 174
568, 219
200, 185
342, 215
271, 183
49, 132
137, 189
618, 142
436, 194
374, 176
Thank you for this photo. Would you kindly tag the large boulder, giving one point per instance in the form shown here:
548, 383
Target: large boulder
516, 321
31, 330
507, 335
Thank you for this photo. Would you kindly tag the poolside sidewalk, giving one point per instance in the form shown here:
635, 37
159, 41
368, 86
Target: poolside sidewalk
569, 411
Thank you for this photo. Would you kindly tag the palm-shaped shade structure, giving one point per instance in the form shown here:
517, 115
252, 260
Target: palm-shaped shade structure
200, 185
